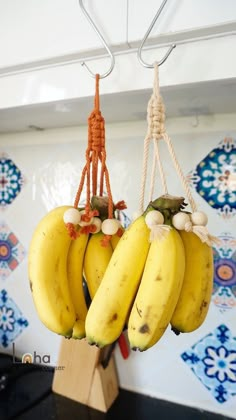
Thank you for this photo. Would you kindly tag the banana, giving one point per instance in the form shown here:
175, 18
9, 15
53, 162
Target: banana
96, 261
115, 239
158, 291
47, 269
75, 262
108, 311
78, 329
195, 296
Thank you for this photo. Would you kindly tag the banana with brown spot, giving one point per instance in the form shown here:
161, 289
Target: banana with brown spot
158, 292
111, 304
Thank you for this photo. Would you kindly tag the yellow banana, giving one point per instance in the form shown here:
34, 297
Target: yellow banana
78, 329
115, 239
109, 309
158, 291
96, 261
195, 296
75, 262
47, 268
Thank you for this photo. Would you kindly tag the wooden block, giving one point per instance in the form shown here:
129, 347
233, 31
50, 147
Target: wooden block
79, 361
104, 388
83, 378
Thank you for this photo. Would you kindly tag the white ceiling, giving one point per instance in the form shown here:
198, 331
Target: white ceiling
198, 99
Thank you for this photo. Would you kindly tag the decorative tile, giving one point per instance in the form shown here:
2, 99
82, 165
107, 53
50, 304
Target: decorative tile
11, 251
11, 181
12, 322
224, 291
213, 361
214, 178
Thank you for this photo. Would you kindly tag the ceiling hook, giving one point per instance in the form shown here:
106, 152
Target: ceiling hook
102, 76
151, 66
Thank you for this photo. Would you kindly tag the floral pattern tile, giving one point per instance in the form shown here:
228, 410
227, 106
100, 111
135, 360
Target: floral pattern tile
214, 178
12, 251
11, 181
12, 321
213, 361
224, 290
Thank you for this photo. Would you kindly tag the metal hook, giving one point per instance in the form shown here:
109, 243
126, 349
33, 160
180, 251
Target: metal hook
103, 42
151, 66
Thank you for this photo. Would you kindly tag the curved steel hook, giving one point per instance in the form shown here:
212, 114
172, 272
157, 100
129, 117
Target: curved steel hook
102, 76
151, 66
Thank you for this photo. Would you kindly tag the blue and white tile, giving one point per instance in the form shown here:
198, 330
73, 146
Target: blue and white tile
11, 181
12, 321
224, 290
213, 360
214, 178
12, 251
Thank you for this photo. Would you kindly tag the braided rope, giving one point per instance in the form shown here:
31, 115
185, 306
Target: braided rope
144, 172
180, 172
156, 131
151, 190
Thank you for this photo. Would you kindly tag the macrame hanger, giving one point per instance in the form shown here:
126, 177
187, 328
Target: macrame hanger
95, 153
156, 131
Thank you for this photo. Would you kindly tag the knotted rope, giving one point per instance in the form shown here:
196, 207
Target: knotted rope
156, 131
95, 154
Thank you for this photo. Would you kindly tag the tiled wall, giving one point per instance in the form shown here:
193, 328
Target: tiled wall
197, 369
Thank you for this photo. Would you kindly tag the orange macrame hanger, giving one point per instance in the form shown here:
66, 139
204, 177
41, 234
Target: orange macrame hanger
95, 153
95, 156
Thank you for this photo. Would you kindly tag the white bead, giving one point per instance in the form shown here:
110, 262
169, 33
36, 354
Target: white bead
110, 226
180, 219
154, 217
72, 216
199, 218
82, 223
98, 223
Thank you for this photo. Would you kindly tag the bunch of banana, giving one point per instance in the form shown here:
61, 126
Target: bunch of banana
58, 258
55, 266
177, 281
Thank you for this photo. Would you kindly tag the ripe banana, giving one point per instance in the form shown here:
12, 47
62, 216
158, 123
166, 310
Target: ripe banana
47, 268
115, 239
109, 309
158, 291
195, 296
96, 261
75, 262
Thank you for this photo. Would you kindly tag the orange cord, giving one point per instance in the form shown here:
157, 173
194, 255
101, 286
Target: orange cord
95, 153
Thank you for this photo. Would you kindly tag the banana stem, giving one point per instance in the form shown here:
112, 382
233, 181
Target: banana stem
101, 204
168, 205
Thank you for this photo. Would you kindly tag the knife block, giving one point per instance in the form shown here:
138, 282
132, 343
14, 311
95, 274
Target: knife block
81, 377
